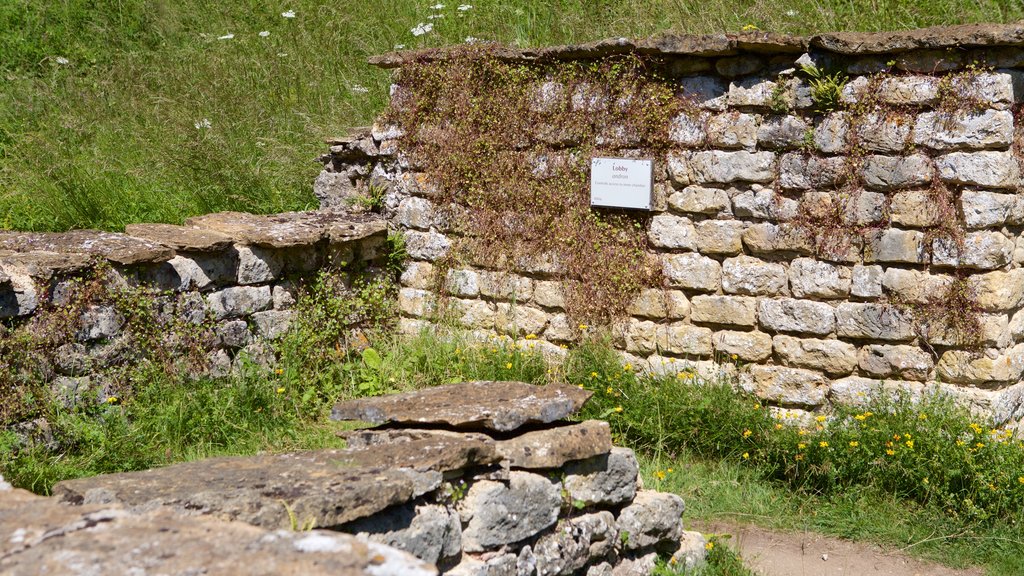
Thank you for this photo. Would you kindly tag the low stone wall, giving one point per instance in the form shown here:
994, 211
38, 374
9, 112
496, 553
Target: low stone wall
818, 249
478, 478
215, 290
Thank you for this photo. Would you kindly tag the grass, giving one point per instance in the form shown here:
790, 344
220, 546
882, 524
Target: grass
110, 137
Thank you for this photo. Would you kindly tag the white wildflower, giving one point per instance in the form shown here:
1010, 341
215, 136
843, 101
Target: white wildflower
282, 54
359, 89
791, 13
204, 123
471, 40
264, 33
422, 29
464, 7
435, 16
288, 14
399, 46
61, 60
226, 37
438, 6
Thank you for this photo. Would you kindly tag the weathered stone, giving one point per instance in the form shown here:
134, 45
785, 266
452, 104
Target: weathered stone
987, 209
867, 281
929, 61
692, 553
699, 200
764, 204
998, 291
768, 238
733, 130
745, 346
914, 90
708, 92
780, 132
478, 314
751, 91
786, 386
982, 250
658, 303
414, 212
426, 245
791, 315
873, 322
832, 133
72, 360
505, 286
685, 340
606, 480
495, 514
894, 245
330, 487
693, 272
884, 132
553, 447
799, 171
857, 391
273, 324
689, 128
674, 232
180, 238
991, 365
895, 172
238, 301
915, 287
724, 310
47, 537
258, 265
720, 236
501, 565
738, 65
233, 334
290, 228
99, 323
119, 248
429, 532
462, 283
904, 362
750, 276
651, 519
75, 391
575, 542
414, 302
516, 319
719, 167
419, 275
915, 208
548, 293
809, 278
833, 357
986, 169
964, 130
501, 406
177, 274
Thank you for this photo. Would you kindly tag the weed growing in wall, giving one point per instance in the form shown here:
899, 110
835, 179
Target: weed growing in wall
508, 145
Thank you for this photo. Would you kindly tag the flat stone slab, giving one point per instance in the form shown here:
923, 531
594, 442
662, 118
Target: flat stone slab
113, 246
290, 229
935, 37
180, 238
39, 264
553, 447
480, 405
40, 536
330, 487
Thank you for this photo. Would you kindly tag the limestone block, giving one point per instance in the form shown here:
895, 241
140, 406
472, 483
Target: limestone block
418, 275
462, 283
233, 334
641, 336
413, 326
768, 238
991, 365
689, 129
416, 212
832, 133
867, 281
745, 346
751, 91
964, 130
914, 90
426, 245
284, 295
791, 315
894, 245
998, 291
652, 518
416, 302
272, 324
800, 171
518, 319
608, 480
781, 132
572, 545
724, 310
559, 329
982, 250
721, 167
1016, 326
873, 322
684, 339
986, 209
427, 531
999, 88
177, 274
858, 391
738, 65
786, 386
548, 293
699, 200
505, 286
834, 357
238, 301
809, 278
733, 130
19, 296
720, 236
673, 232
913, 208
495, 514
692, 553
863, 208
994, 331
693, 272
753, 277
903, 362
764, 204
896, 172
930, 61
985, 169
587, 97
707, 92
658, 303
880, 132
915, 286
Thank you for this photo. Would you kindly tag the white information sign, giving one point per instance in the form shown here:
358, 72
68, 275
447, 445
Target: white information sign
621, 183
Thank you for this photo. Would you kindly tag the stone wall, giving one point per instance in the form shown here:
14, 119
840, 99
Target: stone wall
801, 248
216, 290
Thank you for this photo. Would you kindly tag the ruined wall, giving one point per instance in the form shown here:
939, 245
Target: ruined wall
831, 214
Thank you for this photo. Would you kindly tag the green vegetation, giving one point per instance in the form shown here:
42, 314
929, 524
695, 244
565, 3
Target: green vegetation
154, 118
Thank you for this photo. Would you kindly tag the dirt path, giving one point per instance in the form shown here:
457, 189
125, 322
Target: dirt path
771, 553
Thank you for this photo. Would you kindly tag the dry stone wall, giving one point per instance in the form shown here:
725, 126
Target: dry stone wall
834, 215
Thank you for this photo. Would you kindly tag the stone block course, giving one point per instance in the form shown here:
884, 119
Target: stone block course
795, 316
724, 310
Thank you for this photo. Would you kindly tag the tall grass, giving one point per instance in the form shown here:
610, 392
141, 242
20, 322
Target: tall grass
110, 137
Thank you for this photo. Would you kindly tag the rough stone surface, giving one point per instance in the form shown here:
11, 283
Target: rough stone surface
896, 172
606, 480
716, 167
792, 315
873, 321
752, 277
238, 301
500, 406
985, 169
833, 357
785, 386
118, 248
429, 532
746, 346
809, 278
495, 514
553, 447
290, 229
725, 310
179, 238
903, 362
693, 272
651, 519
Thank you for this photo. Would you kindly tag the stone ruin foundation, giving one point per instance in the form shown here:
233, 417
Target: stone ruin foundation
478, 478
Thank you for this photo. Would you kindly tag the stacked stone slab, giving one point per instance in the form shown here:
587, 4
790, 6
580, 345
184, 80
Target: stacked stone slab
232, 275
740, 279
481, 478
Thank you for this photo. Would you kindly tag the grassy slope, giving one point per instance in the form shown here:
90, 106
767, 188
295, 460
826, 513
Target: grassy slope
110, 137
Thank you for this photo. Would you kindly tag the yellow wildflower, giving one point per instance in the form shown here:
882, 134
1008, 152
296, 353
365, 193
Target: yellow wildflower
860, 417
627, 367
593, 374
909, 443
823, 444
508, 366
854, 444
531, 336
280, 390
820, 418
922, 416
801, 446
618, 408
747, 433
890, 452
709, 546
749, 27
583, 326
112, 400
746, 455
660, 475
